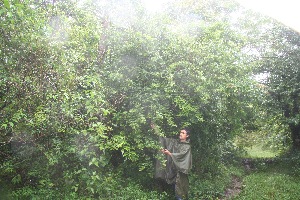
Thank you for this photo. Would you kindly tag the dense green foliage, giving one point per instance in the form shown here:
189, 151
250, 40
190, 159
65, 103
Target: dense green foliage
281, 61
79, 91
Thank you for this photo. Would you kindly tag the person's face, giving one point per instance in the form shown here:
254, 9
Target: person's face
183, 135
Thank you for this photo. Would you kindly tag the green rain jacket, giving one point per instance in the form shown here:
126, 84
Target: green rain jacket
178, 165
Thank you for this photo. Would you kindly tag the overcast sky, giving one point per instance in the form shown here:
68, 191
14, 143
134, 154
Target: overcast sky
285, 11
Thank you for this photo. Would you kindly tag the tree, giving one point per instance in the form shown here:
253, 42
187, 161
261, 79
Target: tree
280, 61
79, 92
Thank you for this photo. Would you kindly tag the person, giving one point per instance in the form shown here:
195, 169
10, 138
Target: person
178, 163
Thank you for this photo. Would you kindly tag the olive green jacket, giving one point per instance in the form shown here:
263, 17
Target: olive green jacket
180, 159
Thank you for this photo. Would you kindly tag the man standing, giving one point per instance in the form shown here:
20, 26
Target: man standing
179, 163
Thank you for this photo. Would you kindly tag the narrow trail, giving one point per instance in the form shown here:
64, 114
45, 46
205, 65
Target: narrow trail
234, 189
236, 185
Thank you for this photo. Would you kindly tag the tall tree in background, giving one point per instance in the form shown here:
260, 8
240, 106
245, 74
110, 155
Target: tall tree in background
281, 62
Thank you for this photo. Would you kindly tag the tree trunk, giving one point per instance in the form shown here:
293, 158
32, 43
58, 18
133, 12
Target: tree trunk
295, 135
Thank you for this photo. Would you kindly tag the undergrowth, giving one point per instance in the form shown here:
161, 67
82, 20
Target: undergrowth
274, 178
212, 186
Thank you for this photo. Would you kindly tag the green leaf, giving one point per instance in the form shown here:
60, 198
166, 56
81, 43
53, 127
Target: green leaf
4, 126
94, 161
11, 124
7, 4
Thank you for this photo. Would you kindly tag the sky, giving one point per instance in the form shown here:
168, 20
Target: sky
154, 5
285, 11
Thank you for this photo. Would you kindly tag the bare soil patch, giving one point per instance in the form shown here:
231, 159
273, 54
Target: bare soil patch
234, 189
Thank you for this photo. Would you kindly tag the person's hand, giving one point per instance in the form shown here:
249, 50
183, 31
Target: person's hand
166, 151
152, 126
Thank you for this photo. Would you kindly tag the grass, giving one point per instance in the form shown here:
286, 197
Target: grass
266, 185
258, 151
272, 178
4, 190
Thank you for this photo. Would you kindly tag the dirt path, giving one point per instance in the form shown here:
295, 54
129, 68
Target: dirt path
234, 189
236, 183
